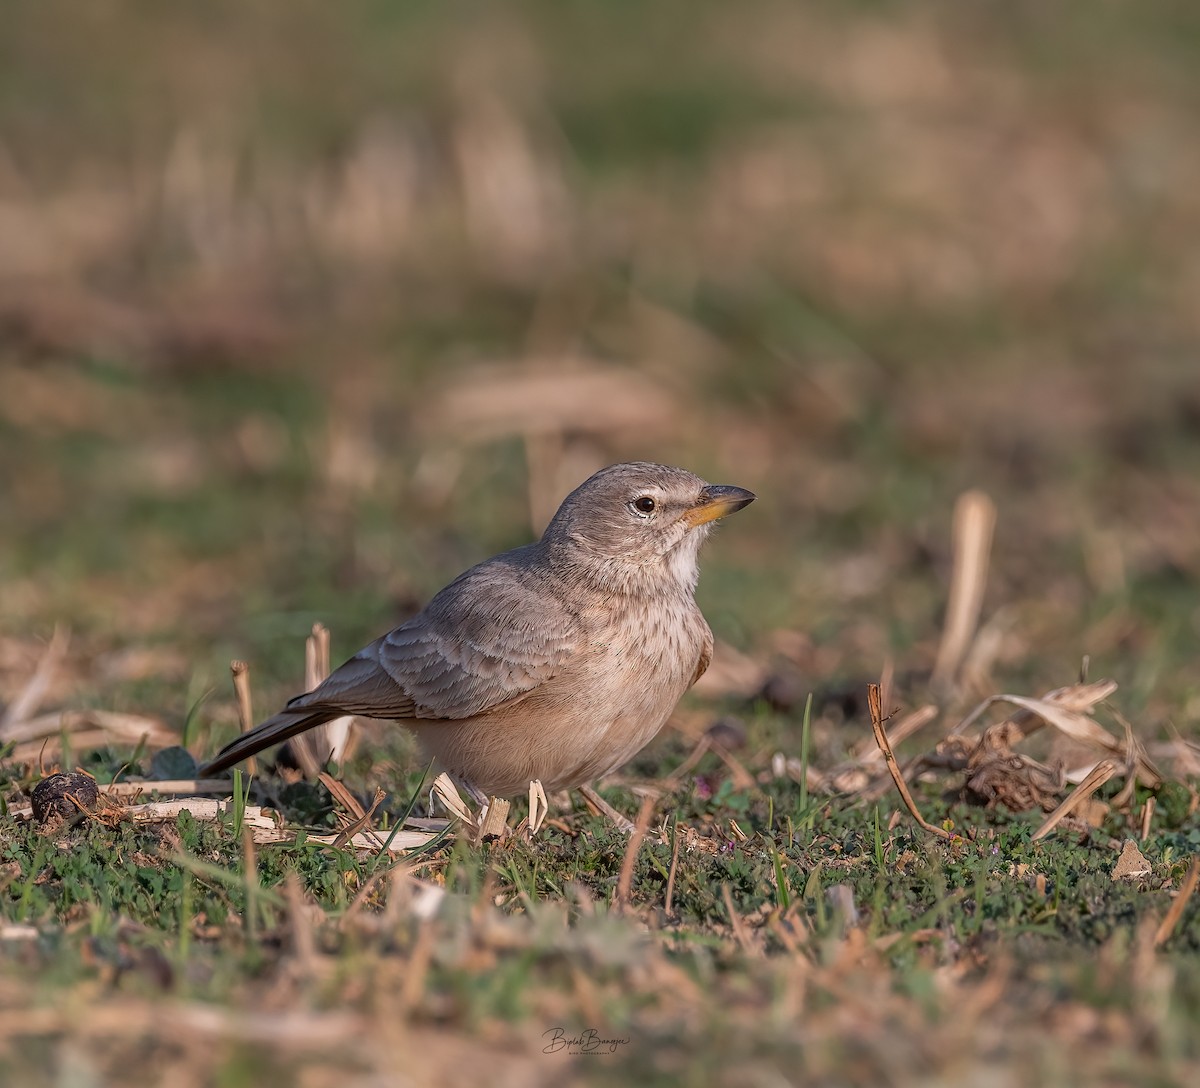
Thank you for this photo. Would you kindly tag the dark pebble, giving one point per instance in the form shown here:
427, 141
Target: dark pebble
64, 795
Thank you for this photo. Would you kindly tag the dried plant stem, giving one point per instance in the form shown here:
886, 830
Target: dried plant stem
241, 687
605, 809
974, 523
1168, 924
739, 926
493, 822
669, 903
418, 967
1147, 817
873, 702
625, 880
1101, 773
188, 787
31, 695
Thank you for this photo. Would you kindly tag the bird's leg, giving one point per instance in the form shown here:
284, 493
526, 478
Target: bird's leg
471, 790
594, 799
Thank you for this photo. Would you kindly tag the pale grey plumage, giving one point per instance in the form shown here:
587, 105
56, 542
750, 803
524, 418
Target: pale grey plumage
558, 660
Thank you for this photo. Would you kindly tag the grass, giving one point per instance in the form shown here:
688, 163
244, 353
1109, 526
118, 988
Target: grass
861, 260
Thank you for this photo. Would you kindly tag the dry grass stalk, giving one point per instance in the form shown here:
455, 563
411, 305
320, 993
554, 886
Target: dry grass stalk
625, 879
1171, 920
742, 778
266, 828
446, 791
357, 823
1132, 751
490, 822
868, 752
342, 795
1079, 698
1147, 818
548, 397
297, 1030
330, 740
738, 925
601, 807
187, 786
240, 671
304, 946
669, 901
676, 777
974, 674
974, 524
418, 966
30, 697
885, 747
110, 724
1064, 710
17, 931
1101, 773
493, 822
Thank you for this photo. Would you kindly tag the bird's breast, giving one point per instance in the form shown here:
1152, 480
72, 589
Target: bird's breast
614, 694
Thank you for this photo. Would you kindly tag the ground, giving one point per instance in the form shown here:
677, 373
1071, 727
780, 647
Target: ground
301, 314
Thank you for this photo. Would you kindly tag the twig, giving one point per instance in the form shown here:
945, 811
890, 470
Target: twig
885, 747
669, 904
266, 829
605, 809
31, 695
418, 966
354, 826
1147, 816
493, 821
185, 786
676, 776
735, 920
742, 778
974, 523
625, 880
342, 795
303, 945
1101, 773
1168, 924
241, 688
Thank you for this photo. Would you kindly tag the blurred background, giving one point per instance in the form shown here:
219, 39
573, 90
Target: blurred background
305, 308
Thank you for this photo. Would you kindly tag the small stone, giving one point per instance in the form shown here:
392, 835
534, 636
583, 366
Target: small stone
64, 795
1132, 864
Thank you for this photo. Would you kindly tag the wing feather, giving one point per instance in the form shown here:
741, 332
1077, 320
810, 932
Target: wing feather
488, 639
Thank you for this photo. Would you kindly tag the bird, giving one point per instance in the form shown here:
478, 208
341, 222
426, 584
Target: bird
555, 662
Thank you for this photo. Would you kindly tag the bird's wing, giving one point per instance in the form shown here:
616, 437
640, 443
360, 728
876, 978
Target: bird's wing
706, 652
488, 639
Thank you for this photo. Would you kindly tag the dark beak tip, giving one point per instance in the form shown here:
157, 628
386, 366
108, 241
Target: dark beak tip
735, 497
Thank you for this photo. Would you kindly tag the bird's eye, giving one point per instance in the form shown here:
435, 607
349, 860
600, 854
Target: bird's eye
644, 505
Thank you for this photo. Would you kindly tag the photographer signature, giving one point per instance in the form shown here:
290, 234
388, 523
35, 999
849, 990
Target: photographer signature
587, 1041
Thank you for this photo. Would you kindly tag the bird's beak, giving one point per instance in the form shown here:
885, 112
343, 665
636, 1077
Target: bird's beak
717, 500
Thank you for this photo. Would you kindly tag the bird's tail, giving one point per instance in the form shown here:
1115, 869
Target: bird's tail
274, 730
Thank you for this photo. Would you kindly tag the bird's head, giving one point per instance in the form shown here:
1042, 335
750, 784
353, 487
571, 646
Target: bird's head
635, 516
